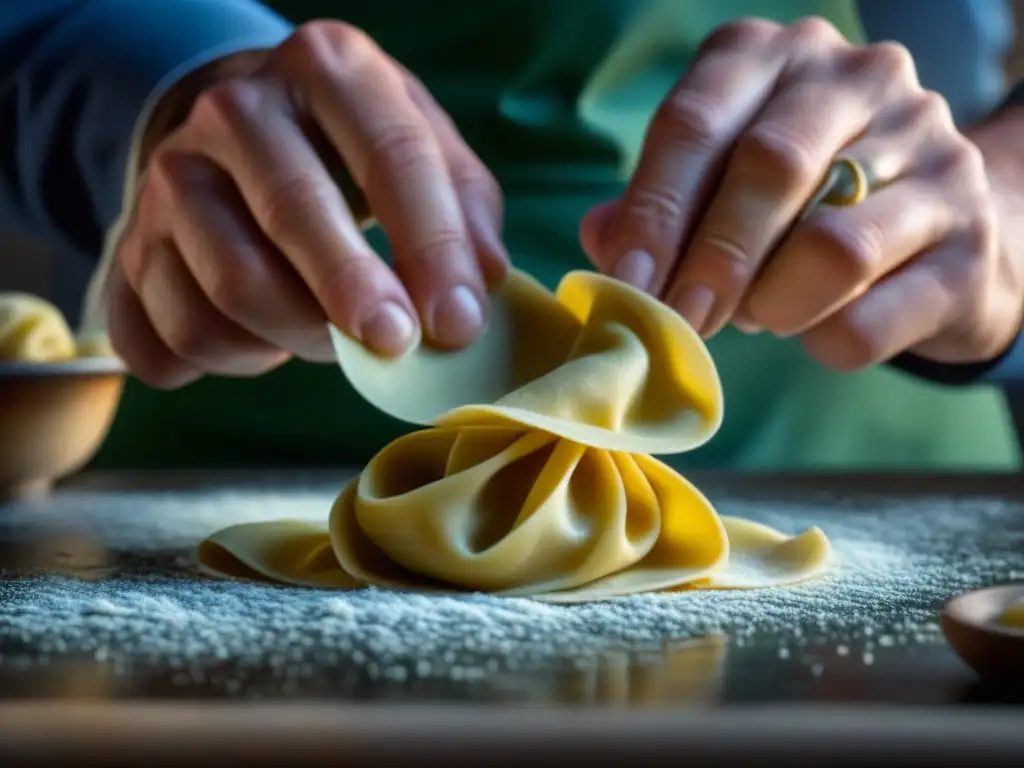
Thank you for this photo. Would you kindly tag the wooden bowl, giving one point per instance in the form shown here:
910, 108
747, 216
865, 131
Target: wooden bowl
969, 621
53, 419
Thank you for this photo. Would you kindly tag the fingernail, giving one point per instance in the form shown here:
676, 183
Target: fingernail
747, 327
695, 304
389, 331
635, 268
458, 318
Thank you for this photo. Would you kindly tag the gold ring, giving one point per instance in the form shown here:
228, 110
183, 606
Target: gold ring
847, 182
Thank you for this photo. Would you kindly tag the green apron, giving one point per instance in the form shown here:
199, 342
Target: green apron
554, 95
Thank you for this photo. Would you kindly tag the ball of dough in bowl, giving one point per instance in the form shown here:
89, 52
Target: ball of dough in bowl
33, 331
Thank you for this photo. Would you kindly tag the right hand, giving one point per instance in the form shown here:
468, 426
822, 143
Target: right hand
242, 247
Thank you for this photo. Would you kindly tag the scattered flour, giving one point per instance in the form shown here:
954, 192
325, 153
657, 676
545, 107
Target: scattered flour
119, 584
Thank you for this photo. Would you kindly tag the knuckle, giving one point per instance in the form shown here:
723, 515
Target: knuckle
687, 120
931, 108
401, 150
740, 34
313, 39
888, 59
852, 252
172, 177
435, 254
320, 47
282, 209
654, 212
474, 180
782, 154
964, 158
723, 261
220, 109
814, 30
961, 166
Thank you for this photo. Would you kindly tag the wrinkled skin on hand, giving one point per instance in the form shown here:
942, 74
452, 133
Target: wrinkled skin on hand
241, 247
710, 220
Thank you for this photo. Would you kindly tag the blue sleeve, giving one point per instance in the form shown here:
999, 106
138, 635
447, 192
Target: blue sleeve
75, 75
1008, 370
959, 49
959, 46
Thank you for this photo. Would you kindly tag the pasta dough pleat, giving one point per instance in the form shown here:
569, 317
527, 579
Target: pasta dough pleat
534, 475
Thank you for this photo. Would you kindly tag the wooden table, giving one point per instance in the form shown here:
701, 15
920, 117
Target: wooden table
915, 702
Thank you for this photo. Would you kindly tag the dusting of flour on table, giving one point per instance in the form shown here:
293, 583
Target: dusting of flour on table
895, 562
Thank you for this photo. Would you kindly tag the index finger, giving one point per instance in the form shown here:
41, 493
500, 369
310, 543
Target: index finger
685, 146
359, 99
249, 129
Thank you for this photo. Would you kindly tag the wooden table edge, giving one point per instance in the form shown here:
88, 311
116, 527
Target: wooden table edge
310, 733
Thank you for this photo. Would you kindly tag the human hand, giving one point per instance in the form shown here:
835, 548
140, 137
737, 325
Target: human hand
710, 221
242, 246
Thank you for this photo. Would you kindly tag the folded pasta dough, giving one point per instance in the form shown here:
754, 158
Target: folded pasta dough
534, 475
32, 330
94, 345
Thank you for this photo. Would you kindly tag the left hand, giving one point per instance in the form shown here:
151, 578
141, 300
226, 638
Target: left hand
708, 222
